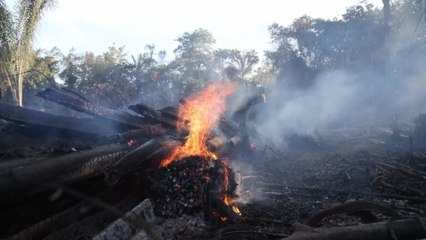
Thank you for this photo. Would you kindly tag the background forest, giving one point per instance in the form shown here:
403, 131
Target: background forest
369, 59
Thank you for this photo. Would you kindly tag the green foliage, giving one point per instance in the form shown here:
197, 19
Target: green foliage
194, 56
17, 31
361, 39
242, 61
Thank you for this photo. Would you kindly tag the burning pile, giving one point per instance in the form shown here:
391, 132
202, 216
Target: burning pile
111, 154
193, 185
192, 176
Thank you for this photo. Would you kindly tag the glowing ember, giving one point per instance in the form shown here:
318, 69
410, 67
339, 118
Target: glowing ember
236, 210
226, 198
200, 113
131, 143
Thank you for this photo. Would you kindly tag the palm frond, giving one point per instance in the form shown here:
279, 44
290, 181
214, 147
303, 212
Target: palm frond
6, 29
30, 13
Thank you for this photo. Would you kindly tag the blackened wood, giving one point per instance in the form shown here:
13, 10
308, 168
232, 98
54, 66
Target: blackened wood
147, 155
224, 210
156, 116
93, 224
407, 229
72, 215
76, 102
147, 131
350, 207
29, 116
56, 168
124, 227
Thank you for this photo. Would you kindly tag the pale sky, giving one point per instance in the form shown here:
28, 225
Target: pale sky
93, 25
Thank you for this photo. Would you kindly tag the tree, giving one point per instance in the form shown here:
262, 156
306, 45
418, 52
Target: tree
194, 54
309, 46
17, 34
237, 64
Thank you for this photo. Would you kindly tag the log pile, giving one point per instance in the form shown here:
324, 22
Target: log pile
45, 156
90, 175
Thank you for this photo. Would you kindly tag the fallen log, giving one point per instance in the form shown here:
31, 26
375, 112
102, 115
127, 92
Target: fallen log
407, 229
126, 227
224, 210
349, 207
61, 169
147, 131
71, 215
150, 153
166, 117
29, 116
76, 102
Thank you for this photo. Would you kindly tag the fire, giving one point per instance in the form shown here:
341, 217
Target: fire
226, 198
199, 114
131, 143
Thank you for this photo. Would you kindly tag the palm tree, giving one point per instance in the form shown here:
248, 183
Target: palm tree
17, 30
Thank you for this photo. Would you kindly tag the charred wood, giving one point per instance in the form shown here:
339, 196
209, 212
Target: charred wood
91, 225
147, 155
411, 228
224, 210
350, 207
76, 165
148, 131
166, 117
74, 101
29, 116
125, 228
70, 215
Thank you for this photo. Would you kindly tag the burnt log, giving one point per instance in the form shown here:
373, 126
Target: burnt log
23, 115
224, 210
59, 169
350, 207
166, 117
126, 227
61, 219
148, 131
149, 154
407, 229
76, 102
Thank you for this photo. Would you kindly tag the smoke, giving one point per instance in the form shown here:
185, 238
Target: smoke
343, 98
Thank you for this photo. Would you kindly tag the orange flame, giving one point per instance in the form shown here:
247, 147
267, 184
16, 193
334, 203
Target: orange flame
200, 113
227, 199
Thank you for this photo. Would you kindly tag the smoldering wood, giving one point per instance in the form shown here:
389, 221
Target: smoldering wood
407, 229
76, 165
91, 225
74, 101
147, 131
143, 156
125, 227
24, 115
166, 117
223, 209
69, 215
350, 207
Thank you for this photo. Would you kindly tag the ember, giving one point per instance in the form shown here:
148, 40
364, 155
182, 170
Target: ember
187, 186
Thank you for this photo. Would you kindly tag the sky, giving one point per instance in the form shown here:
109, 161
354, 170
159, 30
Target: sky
94, 25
